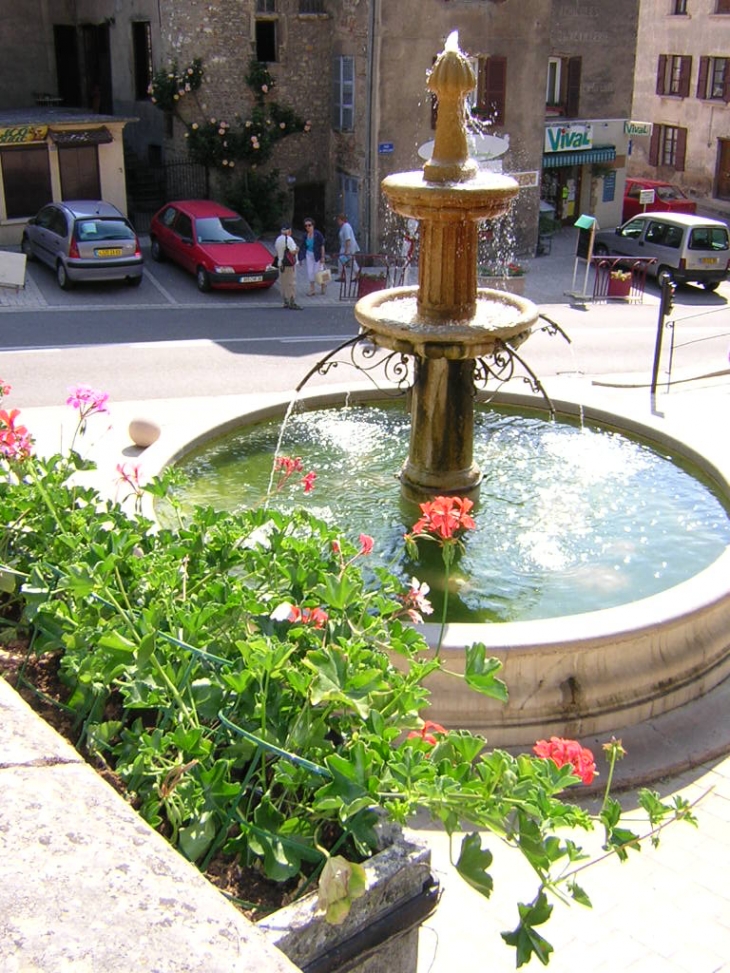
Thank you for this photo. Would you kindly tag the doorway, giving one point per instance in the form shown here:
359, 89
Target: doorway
722, 174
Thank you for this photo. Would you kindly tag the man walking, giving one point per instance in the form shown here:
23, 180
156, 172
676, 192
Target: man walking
286, 253
348, 243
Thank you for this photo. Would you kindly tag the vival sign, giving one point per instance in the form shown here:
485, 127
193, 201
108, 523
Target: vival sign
568, 138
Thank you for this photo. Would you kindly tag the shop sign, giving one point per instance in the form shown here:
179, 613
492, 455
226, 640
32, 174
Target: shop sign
526, 180
637, 128
568, 138
19, 134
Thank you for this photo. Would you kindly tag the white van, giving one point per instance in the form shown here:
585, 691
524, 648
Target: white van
687, 249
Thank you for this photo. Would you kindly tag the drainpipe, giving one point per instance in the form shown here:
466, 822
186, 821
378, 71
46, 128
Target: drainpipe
371, 188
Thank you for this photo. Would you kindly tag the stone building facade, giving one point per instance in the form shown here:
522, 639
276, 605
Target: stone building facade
554, 90
682, 88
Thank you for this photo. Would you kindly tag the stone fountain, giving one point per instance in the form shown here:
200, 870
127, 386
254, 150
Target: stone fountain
446, 323
576, 675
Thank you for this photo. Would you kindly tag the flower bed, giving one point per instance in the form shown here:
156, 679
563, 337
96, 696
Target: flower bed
236, 674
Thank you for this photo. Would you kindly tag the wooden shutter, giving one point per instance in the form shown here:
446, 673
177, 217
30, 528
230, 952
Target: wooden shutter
702, 77
654, 145
495, 89
685, 72
681, 149
661, 72
572, 90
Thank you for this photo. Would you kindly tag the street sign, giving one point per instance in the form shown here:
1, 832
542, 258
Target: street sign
385, 148
646, 197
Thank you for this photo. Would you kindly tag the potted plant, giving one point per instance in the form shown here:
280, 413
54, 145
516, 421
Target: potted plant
504, 276
239, 674
619, 283
367, 283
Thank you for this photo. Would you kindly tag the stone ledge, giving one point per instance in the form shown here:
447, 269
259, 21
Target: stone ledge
86, 884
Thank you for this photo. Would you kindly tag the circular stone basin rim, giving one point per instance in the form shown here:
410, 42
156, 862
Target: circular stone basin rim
575, 675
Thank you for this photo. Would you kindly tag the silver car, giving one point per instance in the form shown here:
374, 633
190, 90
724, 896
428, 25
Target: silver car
685, 248
84, 240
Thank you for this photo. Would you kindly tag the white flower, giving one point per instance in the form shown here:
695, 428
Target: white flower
282, 613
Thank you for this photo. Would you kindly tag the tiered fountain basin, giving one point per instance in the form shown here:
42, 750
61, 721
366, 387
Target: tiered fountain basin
576, 675
393, 319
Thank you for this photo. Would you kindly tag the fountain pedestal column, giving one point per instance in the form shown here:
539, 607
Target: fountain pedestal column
442, 431
446, 331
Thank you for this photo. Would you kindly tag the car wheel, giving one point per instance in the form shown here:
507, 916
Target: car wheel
203, 279
156, 250
134, 281
664, 273
600, 250
27, 248
711, 285
62, 276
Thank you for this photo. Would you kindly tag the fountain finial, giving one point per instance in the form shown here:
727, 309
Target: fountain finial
450, 79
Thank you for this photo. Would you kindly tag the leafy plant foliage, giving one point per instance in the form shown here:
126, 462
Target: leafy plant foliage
259, 696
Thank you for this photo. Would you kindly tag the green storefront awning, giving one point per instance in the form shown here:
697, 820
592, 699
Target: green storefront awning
601, 153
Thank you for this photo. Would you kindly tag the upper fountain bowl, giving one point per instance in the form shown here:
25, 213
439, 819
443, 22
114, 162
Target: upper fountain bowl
484, 196
395, 321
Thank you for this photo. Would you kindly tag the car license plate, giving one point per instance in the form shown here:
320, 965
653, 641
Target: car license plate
109, 252
708, 260
250, 280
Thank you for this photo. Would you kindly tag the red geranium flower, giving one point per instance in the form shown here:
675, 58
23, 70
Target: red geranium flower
428, 732
562, 752
444, 517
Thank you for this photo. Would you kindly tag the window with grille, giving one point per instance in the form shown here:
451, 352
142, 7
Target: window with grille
673, 74
722, 7
680, 7
343, 94
713, 80
142, 58
311, 7
265, 6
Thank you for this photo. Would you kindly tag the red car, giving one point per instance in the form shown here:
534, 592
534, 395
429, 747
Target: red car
667, 198
212, 242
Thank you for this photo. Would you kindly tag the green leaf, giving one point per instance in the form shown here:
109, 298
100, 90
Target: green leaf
481, 673
579, 895
117, 642
340, 883
145, 650
473, 864
7, 582
524, 938
196, 837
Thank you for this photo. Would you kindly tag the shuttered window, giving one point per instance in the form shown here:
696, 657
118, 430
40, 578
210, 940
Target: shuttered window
673, 75
26, 180
668, 147
713, 80
492, 89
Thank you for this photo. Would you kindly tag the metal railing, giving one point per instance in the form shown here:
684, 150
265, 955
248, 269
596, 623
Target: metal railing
620, 278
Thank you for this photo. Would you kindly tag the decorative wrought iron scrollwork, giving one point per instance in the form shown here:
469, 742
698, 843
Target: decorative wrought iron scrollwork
395, 370
500, 367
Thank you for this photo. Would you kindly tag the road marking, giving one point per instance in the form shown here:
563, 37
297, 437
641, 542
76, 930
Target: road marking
178, 343
163, 290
